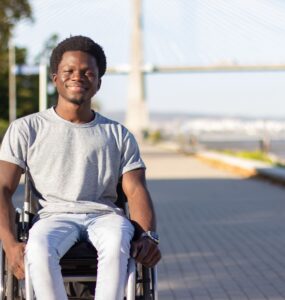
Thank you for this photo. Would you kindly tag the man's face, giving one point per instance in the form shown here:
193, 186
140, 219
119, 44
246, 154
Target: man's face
77, 78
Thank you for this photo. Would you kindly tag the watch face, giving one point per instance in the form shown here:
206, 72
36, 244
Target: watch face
151, 235
154, 236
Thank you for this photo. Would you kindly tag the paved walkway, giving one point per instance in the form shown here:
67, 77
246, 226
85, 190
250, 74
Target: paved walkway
222, 236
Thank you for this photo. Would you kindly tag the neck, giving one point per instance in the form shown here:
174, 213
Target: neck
75, 113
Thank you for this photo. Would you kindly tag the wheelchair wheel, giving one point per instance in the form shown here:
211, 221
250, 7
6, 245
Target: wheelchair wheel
6, 278
146, 283
9, 285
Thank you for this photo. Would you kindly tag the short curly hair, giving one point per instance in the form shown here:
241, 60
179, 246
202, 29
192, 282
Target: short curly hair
78, 43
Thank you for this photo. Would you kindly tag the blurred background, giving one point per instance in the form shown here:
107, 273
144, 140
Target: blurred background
211, 72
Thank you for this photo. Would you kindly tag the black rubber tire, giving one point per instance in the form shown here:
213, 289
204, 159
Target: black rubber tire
144, 286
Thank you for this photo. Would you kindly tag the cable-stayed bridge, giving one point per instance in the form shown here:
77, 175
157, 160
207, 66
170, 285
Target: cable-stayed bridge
144, 36
222, 235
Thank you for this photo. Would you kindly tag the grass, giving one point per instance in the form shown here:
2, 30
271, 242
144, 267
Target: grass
255, 155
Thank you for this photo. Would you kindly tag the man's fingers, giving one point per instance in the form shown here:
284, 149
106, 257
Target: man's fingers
22, 263
16, 260
18, 271
143, 251
152, 260
21, 268
20, 274
135, 248
146, 252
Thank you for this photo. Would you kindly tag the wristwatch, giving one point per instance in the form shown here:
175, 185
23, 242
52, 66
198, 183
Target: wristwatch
151, 235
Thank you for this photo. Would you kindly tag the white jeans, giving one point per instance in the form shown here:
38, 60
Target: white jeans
52, 236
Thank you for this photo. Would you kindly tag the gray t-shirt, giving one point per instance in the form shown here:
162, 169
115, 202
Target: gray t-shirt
75, 168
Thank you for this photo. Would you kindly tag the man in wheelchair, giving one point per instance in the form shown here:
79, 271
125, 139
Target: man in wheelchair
74, 158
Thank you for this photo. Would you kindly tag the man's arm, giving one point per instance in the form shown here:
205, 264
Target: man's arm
144, 250
10, 175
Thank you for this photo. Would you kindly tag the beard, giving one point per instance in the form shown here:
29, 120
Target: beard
76, 101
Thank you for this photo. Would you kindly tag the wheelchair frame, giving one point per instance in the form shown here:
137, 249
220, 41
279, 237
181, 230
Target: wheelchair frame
141, 281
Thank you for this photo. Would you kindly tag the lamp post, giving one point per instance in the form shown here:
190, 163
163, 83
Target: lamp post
12, 82
42, 86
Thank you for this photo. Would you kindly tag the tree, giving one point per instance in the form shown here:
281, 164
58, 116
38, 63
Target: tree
11, 12
49, 45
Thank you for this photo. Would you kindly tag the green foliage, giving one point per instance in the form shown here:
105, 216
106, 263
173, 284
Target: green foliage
27, 88
256, 155
3, 127
11, 11
153, 136
27, 94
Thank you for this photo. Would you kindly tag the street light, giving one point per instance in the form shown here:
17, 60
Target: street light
12, 82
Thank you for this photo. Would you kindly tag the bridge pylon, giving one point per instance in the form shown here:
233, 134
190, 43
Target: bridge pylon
137, 116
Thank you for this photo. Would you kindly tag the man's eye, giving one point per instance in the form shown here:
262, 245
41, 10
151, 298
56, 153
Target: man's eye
67, 71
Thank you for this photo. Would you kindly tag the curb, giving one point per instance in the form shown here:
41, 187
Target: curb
241, 166
244, 167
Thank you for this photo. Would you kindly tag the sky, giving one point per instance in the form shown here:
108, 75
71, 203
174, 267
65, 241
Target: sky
178, 32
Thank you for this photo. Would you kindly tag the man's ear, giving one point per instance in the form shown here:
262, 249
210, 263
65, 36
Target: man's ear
53, 78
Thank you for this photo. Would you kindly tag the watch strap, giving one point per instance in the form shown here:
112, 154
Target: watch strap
151, 235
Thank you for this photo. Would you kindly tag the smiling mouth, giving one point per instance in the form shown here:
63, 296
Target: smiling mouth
76, 88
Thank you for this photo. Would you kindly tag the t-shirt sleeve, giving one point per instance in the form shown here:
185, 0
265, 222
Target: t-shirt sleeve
130, 158
14, 145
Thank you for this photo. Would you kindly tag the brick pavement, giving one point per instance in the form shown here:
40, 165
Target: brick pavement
222, 236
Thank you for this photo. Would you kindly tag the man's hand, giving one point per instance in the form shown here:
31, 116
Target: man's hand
15, 256
146, 252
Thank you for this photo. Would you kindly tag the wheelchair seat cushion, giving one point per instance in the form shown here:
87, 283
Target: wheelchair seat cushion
81, 249
81, 259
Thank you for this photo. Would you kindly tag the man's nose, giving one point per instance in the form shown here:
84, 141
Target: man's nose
77, 75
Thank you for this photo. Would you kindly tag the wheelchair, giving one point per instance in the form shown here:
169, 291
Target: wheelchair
78, 265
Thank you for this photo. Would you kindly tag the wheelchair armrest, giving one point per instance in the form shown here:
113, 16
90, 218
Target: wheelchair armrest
23, 220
